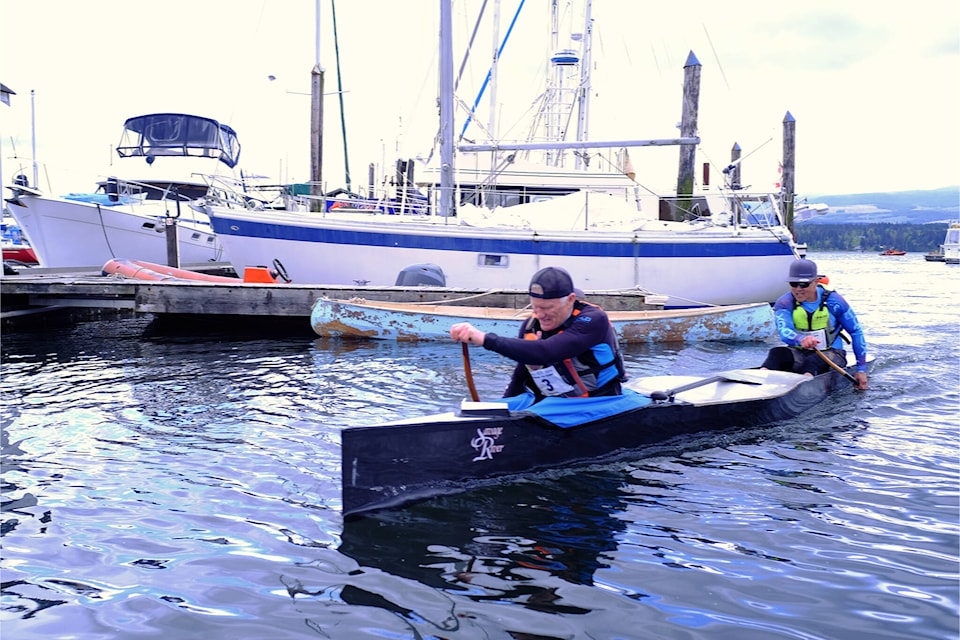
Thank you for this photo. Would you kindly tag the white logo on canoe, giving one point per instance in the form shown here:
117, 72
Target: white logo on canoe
486, 443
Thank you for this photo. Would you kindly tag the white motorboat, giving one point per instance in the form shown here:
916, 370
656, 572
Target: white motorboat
166, 161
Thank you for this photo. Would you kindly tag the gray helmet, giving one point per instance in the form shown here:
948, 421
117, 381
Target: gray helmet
803, 271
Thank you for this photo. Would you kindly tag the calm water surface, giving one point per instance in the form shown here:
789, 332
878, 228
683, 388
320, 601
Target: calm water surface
156, 485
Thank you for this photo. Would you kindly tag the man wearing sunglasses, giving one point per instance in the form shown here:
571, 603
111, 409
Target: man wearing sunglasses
813, 317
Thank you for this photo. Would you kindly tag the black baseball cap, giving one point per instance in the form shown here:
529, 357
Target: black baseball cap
552, 282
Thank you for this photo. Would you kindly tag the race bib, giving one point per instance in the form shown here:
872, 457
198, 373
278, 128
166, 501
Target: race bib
550, 383
819, 334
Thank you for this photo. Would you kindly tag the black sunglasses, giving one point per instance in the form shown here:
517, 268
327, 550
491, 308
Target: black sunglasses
800, 285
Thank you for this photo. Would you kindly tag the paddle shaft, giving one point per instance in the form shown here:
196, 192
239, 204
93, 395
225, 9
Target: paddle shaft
665, 395
469, 372
837, 368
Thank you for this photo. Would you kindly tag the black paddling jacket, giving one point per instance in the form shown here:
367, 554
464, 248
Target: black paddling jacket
577, 359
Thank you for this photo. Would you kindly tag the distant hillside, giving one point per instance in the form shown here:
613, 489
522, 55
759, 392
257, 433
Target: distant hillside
872, 237
900, 207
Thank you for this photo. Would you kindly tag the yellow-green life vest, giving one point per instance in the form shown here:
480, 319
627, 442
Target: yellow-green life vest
807, 323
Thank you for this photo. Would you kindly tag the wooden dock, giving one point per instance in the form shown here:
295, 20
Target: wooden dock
36, 290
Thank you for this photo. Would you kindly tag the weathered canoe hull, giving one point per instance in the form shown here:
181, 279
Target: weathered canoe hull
409, 322
392, 464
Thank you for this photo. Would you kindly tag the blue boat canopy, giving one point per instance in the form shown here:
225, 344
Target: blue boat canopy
178, 134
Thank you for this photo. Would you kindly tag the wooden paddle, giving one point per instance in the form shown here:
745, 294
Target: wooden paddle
660, 396
469, 372
837, 368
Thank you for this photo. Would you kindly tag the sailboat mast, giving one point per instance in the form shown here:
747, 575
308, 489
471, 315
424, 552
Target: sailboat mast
492, 123
343, 119
446, 109
316, 124
552, 121
583, 112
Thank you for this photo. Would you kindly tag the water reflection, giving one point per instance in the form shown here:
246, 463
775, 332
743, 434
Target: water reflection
494, 542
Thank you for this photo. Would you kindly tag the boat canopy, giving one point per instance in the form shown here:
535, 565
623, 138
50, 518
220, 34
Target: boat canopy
178, 134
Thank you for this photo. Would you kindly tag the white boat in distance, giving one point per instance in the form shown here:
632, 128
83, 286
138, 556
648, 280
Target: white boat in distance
166, 161
511, 218
951, 244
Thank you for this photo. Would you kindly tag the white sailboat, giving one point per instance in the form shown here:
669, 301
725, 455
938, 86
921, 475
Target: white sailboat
496, 217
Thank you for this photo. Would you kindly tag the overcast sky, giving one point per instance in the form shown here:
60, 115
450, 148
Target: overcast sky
873, 87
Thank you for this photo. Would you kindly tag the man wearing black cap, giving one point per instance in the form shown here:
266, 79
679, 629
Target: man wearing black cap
566, 348
809, 318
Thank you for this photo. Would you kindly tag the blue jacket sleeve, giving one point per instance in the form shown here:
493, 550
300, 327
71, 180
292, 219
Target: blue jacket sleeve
783, 318
844, 316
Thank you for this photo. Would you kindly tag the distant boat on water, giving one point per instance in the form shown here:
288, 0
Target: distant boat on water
893, 252
951, 244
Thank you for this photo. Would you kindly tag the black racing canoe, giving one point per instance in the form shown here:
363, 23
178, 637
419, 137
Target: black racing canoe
395, 463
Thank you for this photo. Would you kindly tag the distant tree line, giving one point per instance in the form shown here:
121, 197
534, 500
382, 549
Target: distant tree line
871, 237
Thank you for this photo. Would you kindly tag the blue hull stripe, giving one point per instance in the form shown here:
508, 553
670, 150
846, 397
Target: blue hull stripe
700, 249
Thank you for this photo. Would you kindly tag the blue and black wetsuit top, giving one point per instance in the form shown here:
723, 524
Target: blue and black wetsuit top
787, 310
579, 358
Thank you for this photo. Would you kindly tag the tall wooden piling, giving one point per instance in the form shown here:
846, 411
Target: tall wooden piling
789, 171
173, 246
171, 235
688, 129
735, 153
316, 139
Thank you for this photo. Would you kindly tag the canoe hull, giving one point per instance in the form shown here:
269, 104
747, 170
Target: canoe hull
393, 464
407, 322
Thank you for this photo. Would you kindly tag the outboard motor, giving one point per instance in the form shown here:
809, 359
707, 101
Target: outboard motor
421, 274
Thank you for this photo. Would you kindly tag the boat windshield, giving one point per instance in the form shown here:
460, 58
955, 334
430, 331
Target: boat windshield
953, 236
177, 134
